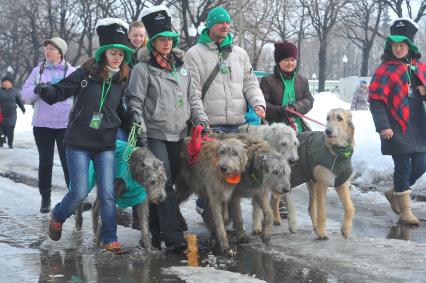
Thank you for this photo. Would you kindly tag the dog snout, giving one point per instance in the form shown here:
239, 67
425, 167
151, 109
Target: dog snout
293, 161
223, 169
329, 132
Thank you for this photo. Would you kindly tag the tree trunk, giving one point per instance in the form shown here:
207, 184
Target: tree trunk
322, 65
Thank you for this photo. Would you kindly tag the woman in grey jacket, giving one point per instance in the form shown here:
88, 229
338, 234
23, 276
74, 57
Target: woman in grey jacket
163, 98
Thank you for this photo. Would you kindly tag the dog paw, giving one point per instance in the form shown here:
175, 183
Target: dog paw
266, 238
277, 221
322, 237
257, 231
345, 232
292, 230
229, 252
244, 240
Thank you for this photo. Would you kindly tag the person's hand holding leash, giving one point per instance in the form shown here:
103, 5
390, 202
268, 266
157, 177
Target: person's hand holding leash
260, 111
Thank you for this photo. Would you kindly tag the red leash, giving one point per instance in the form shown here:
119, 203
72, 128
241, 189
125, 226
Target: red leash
194, 145
294, 112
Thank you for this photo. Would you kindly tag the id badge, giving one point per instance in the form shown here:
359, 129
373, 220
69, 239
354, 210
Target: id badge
223, 67
179, 102
96, 120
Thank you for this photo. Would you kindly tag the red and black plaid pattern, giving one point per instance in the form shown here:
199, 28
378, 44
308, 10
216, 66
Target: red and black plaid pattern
390, 85
164, 62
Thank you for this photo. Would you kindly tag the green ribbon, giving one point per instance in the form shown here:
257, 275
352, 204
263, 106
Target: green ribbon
344, 152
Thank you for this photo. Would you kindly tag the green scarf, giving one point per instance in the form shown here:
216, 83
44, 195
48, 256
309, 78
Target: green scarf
205, 39
289, 96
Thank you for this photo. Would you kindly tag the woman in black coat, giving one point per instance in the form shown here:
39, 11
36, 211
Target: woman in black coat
9, 98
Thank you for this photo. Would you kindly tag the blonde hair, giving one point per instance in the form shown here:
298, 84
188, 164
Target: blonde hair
139, 24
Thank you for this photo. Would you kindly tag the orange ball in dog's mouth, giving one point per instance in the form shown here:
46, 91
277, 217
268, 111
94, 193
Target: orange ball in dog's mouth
233, 178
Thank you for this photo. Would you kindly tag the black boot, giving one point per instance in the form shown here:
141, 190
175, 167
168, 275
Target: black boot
45, 203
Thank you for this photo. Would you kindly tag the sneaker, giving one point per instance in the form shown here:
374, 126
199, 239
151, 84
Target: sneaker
55, 229
115, 247
199, 206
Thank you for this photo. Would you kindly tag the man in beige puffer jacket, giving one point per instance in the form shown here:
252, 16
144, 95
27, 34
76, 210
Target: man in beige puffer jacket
235, 85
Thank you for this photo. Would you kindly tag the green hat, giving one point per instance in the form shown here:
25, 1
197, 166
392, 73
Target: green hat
158, 22
399, 38
112, 33
217, 15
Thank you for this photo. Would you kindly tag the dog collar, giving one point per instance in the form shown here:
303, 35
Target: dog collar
344, 152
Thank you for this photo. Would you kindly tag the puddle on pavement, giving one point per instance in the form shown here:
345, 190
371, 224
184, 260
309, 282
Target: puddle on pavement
72, 265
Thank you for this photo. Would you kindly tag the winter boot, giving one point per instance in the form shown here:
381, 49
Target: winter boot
406, 216
45, 203
55, 229
392, 200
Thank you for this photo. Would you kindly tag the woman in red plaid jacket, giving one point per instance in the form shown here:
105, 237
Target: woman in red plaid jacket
397, 97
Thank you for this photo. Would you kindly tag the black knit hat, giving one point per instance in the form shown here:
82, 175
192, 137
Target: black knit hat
7, 78
112, 33
284, 50
158, 22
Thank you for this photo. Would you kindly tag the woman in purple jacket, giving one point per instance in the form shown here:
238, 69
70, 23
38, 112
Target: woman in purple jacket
49, 121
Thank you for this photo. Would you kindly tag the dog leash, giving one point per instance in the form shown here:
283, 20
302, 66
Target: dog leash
194, 145
303, 116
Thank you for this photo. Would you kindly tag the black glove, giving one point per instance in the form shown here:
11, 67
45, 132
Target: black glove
141, 141
291, 107
283, 113
40, 87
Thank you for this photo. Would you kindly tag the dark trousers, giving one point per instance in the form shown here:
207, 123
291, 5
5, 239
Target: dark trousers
164, 222
8, 132
408, 168
45, 139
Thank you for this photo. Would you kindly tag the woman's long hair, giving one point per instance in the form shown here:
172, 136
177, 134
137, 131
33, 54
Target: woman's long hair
388, 55
100, 69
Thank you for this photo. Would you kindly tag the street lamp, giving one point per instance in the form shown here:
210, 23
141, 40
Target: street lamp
314, 77
344, 60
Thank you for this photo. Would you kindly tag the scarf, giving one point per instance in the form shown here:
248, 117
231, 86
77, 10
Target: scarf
390, 84
166, 62
289, 97
206, 40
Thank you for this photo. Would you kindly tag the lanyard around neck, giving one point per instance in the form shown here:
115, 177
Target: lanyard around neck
287, 89
104, 94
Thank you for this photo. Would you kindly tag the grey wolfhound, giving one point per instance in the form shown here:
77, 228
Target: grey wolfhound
266, 171
325, 161
283, 139
213, 177
148, 171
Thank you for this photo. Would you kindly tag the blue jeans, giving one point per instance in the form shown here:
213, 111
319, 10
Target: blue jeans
122, 134
78, 166
408, 168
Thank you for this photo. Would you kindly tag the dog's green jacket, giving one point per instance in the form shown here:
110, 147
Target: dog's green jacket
313, 152
135, 192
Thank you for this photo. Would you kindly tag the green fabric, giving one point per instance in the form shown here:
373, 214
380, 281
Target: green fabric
217, 15
205, 39
313, 152
135, 192
171, 34
399, 38
127, 52
289, 97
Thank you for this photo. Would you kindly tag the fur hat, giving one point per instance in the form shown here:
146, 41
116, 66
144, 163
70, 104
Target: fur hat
217, 15
59, 43
112, 33
402, 30
284, 50
158, 22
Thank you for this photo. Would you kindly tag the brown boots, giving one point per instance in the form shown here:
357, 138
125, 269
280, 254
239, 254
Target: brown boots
392, 200
406, 216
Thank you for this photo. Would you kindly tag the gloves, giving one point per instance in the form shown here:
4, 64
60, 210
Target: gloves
40, 87
204, 124
283, 113
141, 139
291, 107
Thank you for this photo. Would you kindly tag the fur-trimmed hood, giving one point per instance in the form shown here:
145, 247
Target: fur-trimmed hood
144, 55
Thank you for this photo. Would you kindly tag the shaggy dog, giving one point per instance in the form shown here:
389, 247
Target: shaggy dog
266, 171
283, 139
325, 161
213, 177
148, 171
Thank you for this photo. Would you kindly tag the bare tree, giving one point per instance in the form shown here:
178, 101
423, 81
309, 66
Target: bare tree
361, 26
323, 14
398, 7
